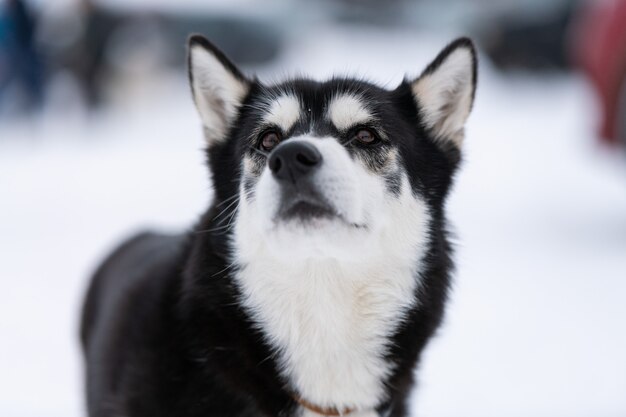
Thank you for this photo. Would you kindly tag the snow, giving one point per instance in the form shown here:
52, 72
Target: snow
535, 324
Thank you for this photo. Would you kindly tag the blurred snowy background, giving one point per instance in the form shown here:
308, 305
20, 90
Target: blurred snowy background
99, 138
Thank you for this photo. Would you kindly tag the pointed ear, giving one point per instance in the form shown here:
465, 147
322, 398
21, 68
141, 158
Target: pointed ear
218, 87
445, 91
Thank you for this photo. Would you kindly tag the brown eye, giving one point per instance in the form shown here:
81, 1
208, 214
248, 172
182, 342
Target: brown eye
366, 137
269, 140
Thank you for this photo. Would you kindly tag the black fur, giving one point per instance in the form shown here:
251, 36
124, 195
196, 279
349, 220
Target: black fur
163, 330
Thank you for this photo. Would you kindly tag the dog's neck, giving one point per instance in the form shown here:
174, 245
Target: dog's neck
331, 323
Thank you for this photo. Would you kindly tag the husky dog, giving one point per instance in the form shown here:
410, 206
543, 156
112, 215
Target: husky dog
320, 271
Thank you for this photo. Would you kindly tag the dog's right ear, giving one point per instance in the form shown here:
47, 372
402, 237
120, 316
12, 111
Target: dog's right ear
218, 87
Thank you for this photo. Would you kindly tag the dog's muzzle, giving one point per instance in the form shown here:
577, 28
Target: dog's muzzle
293, 165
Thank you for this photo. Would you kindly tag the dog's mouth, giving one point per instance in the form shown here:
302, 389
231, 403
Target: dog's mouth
307, 209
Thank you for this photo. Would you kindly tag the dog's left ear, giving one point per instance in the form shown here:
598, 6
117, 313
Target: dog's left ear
218, 87
445, 91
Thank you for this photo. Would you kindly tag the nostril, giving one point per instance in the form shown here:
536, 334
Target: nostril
308, 160
275, 164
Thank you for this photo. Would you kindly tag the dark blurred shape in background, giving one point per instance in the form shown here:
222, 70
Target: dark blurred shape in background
92, 41
530, 38
21, 71
91, 44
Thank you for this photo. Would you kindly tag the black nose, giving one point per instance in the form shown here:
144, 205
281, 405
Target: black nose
292, 160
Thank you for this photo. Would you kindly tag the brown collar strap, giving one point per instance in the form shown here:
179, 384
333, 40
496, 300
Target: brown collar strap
331, 411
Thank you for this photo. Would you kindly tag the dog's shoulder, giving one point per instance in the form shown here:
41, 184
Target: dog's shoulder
141, 264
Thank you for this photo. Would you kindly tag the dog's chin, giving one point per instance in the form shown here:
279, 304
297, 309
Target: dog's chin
311, 232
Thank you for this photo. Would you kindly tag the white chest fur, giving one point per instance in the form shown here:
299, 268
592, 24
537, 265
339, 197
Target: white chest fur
331, 323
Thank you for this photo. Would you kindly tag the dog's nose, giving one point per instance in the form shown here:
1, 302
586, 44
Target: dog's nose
292, 160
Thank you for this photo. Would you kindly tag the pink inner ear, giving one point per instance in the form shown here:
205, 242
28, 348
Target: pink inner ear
445, 92
217, 89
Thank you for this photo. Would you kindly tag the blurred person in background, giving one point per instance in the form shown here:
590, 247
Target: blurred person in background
86, 57
598, 46
21, 74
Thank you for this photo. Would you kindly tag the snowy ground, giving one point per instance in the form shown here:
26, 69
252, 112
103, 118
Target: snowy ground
536, 323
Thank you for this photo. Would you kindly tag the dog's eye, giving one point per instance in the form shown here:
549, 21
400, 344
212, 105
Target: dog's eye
269, 140
365, 137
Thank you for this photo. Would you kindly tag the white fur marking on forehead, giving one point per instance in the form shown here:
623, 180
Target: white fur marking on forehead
284, 111
347, 110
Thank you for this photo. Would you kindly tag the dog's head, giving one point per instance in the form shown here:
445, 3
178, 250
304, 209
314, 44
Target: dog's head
340, 168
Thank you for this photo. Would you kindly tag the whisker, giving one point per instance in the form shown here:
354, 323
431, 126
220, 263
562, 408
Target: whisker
227, 214
349, 141
270, 356
213, 229
232, 217
224, 270
227, 199
232, 213
227, 207
265, 154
